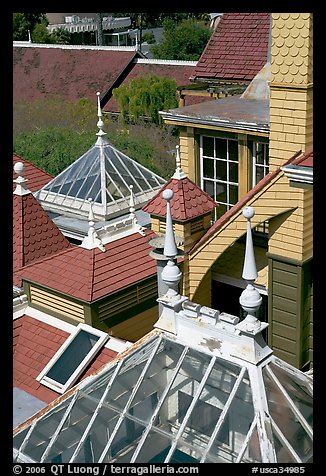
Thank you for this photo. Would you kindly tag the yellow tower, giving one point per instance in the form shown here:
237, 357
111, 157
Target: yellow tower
291, 86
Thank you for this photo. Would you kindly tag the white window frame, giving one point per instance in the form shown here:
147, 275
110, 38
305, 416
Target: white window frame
59, 387
264, 166
214, 180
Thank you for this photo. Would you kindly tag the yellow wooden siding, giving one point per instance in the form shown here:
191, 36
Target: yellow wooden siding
291, 234
231, 262
137, 326
56, 303
291, 95
274, 198
203, 294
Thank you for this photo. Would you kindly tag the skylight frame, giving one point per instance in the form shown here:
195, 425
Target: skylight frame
57, 386
262, 422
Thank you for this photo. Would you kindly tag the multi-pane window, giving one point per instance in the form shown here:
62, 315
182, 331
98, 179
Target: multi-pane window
260, 162
219, 170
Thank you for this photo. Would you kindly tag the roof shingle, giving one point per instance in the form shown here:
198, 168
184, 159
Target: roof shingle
89, 275
35, 343
237, 49
189, 201
35, 236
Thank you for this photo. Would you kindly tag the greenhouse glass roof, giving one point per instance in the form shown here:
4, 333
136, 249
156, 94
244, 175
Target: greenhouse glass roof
104, 174
165, 401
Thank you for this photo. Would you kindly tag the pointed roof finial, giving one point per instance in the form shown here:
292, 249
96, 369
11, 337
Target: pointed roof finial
171, 274
250, 298
20, 181
92, 240
179, 173
100, 123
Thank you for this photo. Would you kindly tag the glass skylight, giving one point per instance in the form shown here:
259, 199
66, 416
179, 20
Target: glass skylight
104, 174
66, 365
168, 402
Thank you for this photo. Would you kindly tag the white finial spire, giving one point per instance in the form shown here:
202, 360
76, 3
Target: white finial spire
29, 36
250, 298
92, 240
171, 274
20, 181
179, 173
100, 123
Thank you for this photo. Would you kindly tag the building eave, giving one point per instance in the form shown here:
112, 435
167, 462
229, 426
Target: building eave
298, 173
216, 122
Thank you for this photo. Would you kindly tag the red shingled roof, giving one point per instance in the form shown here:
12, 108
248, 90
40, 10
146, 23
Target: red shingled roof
306, 160
35, 343
36, 177
69, 73
92, 274
237, 49
189, 201
34, 233
179, 72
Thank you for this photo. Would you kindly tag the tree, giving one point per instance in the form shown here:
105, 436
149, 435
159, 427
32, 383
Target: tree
146, 96
61, 36
25, 22
182, 41
40, 34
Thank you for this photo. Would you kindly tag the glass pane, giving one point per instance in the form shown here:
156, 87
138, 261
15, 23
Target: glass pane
155, 448
283, 455
43, 431
286, 420
125, 441
233, 432
208, 146
260, 153
233, 150
72, 356
98, 437
260, 173
208, 168
233, 191
221, 148
221, 196
233, 172
188, 378
72, 430
221, 170
128, 376
296, 390
157, 377
209, 188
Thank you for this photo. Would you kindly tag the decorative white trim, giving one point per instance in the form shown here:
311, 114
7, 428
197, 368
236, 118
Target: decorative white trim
299, 173
27, 44
165, 62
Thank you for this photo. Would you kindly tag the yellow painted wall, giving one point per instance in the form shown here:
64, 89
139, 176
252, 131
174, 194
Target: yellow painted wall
291, 94
276, 198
